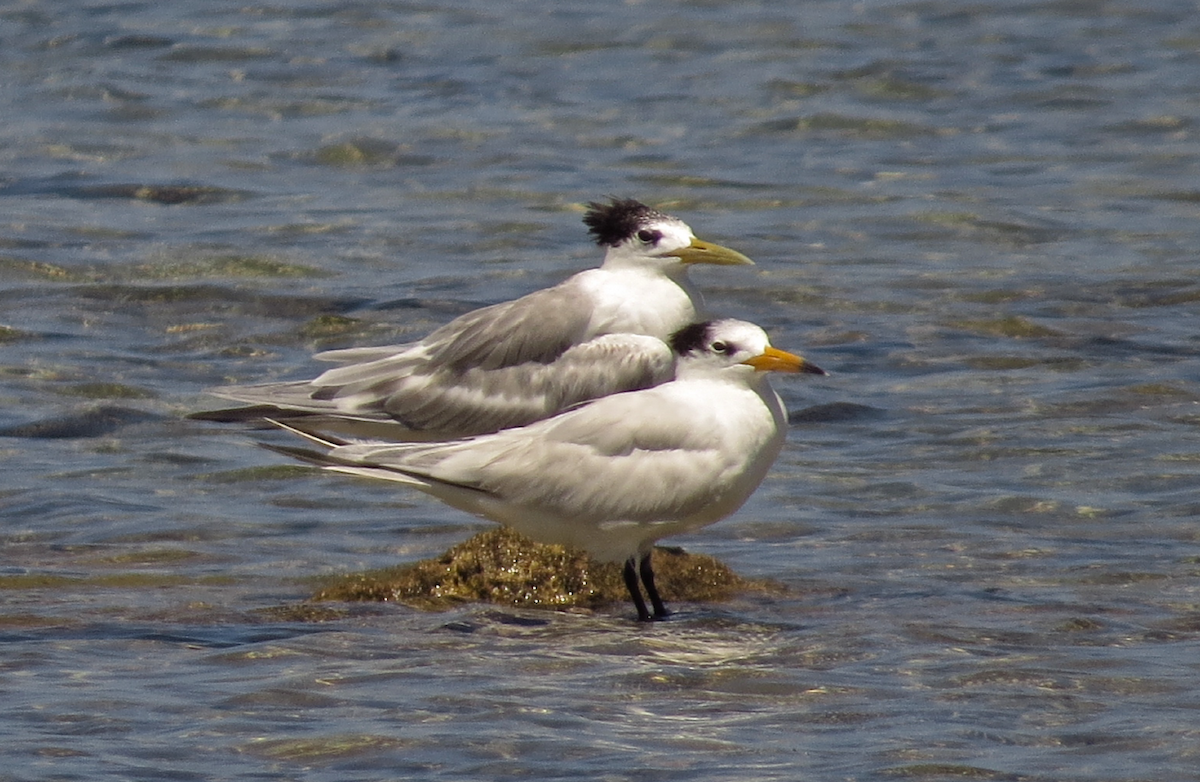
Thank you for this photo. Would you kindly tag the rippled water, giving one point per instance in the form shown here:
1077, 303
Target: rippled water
980, 217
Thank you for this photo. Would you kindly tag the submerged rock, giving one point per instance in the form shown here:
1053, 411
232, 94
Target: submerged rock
95, 422
501, 567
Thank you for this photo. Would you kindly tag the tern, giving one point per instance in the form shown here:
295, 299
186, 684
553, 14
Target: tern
616, 474
599, 332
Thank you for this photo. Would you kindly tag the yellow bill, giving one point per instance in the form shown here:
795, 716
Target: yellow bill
707, 252
775, 360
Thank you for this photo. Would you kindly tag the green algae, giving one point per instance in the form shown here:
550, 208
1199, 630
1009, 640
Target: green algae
501, 567
1008, 326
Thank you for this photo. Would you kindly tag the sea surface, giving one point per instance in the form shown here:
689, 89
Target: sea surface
981, 217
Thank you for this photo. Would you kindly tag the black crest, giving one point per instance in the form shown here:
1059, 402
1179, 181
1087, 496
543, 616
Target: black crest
619, 219
691, 338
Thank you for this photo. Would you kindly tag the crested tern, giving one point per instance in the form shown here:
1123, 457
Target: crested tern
615, 474
599, 332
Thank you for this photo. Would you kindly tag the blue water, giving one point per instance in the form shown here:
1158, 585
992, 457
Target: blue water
980, 217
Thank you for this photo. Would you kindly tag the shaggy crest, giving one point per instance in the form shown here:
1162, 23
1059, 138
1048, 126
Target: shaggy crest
691, 338
618, 220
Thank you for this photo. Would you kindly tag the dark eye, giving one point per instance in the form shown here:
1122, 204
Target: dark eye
648, 236
720, 346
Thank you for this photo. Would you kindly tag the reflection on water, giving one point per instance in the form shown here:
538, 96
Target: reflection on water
981, 219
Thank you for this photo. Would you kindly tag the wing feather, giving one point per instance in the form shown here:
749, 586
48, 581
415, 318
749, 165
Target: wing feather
537, 327
480, 400
427, 399
630, 457
494, 368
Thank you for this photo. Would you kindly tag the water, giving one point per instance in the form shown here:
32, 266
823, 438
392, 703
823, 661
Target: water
980, 217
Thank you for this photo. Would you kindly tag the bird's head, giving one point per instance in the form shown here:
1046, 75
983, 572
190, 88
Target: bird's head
718, 345
636, 235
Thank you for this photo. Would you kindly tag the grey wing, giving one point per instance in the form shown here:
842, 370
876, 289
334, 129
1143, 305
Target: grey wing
539, 327
404, 399
497, 367
296, 396
641, 459
477, 401
365, 355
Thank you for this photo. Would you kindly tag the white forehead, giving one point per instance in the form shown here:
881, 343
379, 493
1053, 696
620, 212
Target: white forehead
744, 335
675, 232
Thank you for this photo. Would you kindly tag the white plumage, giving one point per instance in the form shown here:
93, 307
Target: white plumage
616, 474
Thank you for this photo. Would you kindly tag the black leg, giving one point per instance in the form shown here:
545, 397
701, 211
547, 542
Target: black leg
635, 592
660, 610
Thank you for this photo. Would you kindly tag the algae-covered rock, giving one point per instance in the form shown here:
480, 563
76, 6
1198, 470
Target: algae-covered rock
499, 566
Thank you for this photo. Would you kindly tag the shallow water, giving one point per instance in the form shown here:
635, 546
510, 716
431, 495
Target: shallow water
980, 217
